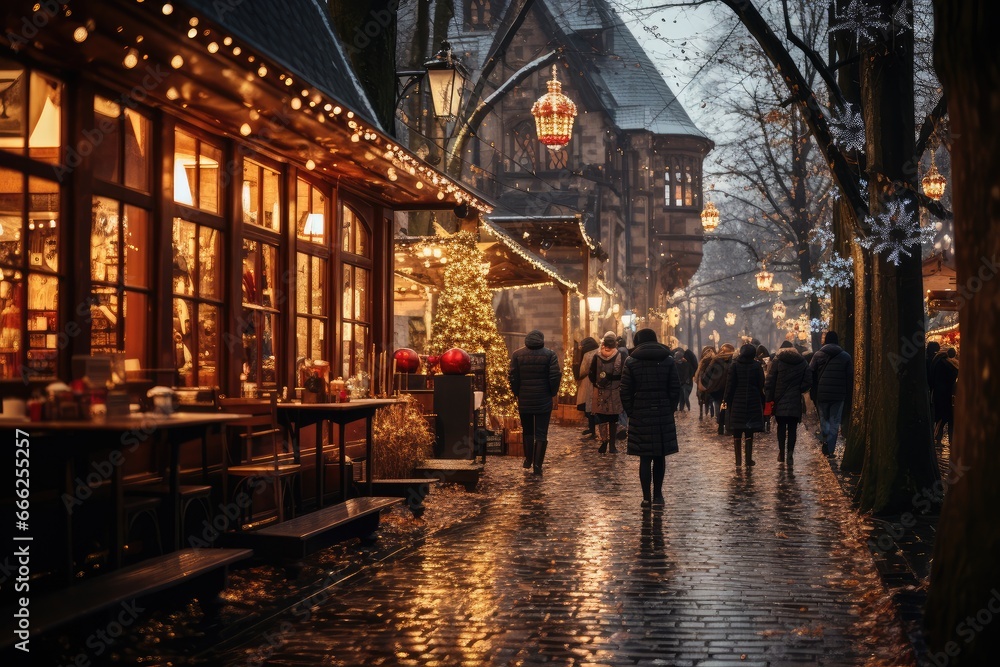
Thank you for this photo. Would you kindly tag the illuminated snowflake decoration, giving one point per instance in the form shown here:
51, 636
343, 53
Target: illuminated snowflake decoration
896, 230
848, 128
818, 326
836, 272
861, 18
902, 18
823, 236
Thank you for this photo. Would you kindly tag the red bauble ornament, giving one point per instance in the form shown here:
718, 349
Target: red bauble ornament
456, 361
407, 360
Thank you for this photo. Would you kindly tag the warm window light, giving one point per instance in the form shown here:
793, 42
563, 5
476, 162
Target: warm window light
594, 303
246, 196
314, 225
182, 187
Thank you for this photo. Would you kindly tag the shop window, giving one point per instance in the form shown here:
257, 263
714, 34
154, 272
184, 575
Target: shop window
354, 233
310, 308
524, 146
258, 324
479, 14
197, 308
682, 183
120, 142
556, 160
30, 276
196, 172
261, 196
356, 296
310, 213
119, 274
30, 112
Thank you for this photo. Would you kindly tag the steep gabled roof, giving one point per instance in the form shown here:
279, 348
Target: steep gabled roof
630, 85
298, 35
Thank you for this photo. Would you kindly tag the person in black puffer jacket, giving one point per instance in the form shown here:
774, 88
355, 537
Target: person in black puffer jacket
685, 372
534, 378
649, 392
788, 376
715, 378
833, 371
745, 400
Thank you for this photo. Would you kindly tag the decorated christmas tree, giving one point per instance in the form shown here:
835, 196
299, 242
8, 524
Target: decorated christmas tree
567, 383
465, 317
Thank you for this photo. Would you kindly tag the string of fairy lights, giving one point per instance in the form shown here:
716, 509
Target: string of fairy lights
300, 98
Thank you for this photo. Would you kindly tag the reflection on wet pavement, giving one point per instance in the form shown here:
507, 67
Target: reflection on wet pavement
741, 567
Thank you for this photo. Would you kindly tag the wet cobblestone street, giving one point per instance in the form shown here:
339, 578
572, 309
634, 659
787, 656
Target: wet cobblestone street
761, 567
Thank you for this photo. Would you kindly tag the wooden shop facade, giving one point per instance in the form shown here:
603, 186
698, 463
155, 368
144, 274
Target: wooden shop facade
198, 187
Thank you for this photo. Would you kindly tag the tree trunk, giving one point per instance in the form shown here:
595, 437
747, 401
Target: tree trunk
965, 579
899, 460
859, 434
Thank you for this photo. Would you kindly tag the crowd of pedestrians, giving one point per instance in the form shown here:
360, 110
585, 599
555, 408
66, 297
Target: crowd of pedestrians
633, 395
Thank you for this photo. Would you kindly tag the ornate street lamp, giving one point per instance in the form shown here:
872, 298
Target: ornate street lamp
778, 310
446, 78
554, 114
934, 183
764, 279
594, 303
710, 217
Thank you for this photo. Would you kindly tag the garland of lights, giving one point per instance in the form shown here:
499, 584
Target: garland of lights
308, 102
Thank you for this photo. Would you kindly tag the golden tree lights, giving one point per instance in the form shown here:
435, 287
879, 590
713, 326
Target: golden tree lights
554, 114
465, 318
710, 217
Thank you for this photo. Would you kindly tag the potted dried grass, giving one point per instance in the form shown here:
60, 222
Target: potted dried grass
401, 439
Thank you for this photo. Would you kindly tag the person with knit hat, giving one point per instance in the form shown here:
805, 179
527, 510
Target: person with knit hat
650, 390
534, 378
606, 377
833, 371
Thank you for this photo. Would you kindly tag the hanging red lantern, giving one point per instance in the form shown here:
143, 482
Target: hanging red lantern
407, 360
456, 361
554, 114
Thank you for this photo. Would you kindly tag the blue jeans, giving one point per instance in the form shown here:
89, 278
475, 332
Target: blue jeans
829, 421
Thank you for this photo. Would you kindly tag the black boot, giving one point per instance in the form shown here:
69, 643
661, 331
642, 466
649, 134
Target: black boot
788, 458
613, 448
528, 456
736, 448
781, 452
540, 446
749, 453
603, 448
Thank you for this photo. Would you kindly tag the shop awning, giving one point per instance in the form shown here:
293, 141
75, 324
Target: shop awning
273, 74
510, 264
542, 232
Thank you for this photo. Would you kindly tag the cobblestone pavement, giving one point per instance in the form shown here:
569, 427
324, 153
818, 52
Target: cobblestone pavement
761, 567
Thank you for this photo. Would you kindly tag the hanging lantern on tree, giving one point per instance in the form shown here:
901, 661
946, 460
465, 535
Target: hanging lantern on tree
554, 114
710, 217
730, 319
934, 183
764, 279
673, 316
778, 310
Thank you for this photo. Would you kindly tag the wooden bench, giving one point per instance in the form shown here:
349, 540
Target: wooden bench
202, 572
452, 471
297, 538
413, 490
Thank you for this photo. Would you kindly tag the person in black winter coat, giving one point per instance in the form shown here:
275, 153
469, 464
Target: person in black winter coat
745, 400
649, 392
943, 379
788, 376
534, 378
715, 379
833, 372
685, 373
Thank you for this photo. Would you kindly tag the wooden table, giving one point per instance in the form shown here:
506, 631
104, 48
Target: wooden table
296, 416
121, 435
